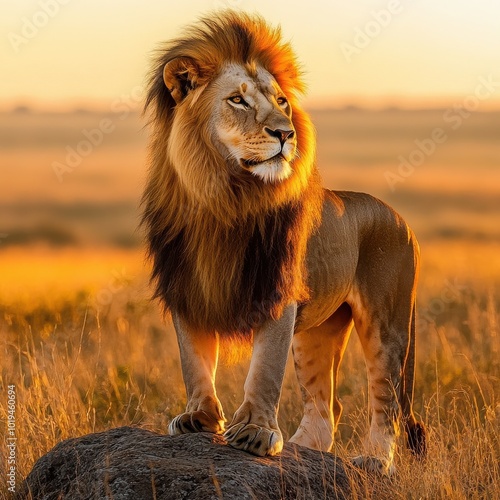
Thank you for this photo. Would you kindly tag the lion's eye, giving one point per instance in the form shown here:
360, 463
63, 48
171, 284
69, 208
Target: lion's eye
237, 99
282, 102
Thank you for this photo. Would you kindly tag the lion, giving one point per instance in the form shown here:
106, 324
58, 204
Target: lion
246, 245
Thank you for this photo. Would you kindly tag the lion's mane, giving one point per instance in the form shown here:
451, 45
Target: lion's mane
228, 251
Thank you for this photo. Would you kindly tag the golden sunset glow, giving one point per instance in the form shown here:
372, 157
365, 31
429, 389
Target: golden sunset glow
403, 100
67, 53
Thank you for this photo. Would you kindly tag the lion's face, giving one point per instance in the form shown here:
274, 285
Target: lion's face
251, 122
241, 113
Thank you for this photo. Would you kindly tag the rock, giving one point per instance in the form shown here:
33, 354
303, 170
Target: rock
136, 464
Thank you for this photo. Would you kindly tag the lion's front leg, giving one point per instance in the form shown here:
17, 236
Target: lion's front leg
199, 353
254, 427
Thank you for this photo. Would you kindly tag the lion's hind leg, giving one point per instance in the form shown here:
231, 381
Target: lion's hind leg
385, 336
317, 354
199, 353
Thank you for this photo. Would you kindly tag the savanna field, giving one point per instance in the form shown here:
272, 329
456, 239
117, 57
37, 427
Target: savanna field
86, 350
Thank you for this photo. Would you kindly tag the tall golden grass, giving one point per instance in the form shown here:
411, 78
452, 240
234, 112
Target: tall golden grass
94, 354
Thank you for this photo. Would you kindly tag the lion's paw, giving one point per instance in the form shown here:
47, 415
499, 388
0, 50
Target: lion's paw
374, 465
196, 421
255, 439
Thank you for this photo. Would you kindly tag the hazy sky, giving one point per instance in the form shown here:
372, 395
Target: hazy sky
374, 52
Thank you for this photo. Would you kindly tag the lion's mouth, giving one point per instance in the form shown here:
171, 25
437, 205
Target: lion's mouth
254, 163
274, 169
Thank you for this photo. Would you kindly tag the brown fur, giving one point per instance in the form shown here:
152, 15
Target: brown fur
228, 250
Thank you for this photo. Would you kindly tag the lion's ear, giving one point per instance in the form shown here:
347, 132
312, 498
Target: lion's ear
180, 76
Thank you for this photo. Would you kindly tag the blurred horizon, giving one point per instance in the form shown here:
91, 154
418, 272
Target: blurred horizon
309, 105
71, 184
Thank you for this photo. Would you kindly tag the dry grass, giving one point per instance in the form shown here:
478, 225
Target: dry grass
97, 355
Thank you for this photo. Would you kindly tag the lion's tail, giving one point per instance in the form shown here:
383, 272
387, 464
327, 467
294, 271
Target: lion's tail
415, 431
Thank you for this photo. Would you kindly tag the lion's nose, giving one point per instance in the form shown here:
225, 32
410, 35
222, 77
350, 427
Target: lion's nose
282, 135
